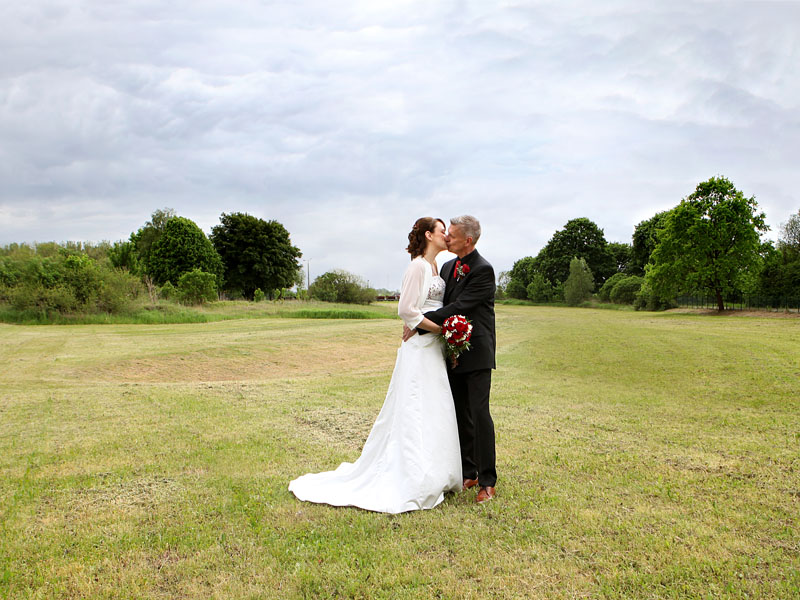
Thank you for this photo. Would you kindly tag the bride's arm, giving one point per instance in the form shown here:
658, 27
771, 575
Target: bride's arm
410, 291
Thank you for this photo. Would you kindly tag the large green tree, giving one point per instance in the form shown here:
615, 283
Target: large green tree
257, 254
580, 238
645, 239
142, 242
779, 279
709, 242
621, 255
780, 276
790, 234
520, 277
182, 247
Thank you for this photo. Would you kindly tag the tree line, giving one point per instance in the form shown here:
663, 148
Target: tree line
710, 243
243, 254
169, 258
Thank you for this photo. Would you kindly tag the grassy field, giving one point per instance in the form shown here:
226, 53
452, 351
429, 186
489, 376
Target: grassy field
640, 455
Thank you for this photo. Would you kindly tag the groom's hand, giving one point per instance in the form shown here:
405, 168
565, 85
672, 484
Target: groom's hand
408, 333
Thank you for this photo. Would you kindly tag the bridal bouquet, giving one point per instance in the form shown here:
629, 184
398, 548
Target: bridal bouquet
456, 331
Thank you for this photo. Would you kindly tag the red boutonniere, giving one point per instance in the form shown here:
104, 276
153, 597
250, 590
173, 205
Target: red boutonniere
461, 270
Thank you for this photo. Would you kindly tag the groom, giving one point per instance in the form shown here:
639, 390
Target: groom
469, 291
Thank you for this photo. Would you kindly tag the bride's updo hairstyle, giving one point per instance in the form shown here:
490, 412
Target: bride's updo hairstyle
416, 239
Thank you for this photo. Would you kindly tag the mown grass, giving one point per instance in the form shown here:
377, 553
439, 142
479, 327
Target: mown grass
171, 313
593, 303
640, 455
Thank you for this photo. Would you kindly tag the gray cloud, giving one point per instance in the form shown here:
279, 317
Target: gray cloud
347, 123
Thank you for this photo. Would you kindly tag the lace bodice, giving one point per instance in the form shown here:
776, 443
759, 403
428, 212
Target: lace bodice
436, 292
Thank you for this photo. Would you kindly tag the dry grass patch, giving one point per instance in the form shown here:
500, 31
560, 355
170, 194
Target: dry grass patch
144, 493
224, 351
334, 426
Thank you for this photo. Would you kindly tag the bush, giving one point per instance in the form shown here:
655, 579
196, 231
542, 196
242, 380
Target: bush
8, 273
604, 294
197, 287
540, 289
624, 292
123, 255
64, 279
558, 292
258, 295
41, 299
118, 290
168, 291
82, 276
580, 283
516, 289
341, 286
647, 299
324, 288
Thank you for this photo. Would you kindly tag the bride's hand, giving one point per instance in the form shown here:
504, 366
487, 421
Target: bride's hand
408, 333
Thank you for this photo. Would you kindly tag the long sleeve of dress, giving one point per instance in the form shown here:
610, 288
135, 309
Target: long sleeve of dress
410, 294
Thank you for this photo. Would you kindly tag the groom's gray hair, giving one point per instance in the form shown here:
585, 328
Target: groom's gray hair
469, 225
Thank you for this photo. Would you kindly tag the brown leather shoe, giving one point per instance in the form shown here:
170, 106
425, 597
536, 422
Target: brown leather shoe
468, 483
485, 494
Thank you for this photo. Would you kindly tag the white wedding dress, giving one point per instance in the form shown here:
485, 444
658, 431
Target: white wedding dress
411, 457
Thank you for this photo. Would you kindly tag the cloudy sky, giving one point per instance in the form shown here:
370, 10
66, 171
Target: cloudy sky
347, 120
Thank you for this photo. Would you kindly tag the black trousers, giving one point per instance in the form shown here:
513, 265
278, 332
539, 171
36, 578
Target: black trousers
475, 425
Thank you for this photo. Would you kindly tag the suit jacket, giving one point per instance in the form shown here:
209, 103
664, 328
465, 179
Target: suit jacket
473, 297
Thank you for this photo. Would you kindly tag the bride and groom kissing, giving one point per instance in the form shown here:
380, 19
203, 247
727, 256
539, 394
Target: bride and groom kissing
434, 433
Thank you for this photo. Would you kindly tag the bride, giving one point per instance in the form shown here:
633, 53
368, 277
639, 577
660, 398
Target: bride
411, 457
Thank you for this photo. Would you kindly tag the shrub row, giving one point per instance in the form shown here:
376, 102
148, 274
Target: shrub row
621, 289
49, 279
341, 286
64, 282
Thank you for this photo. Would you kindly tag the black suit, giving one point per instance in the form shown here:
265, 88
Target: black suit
471, 380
